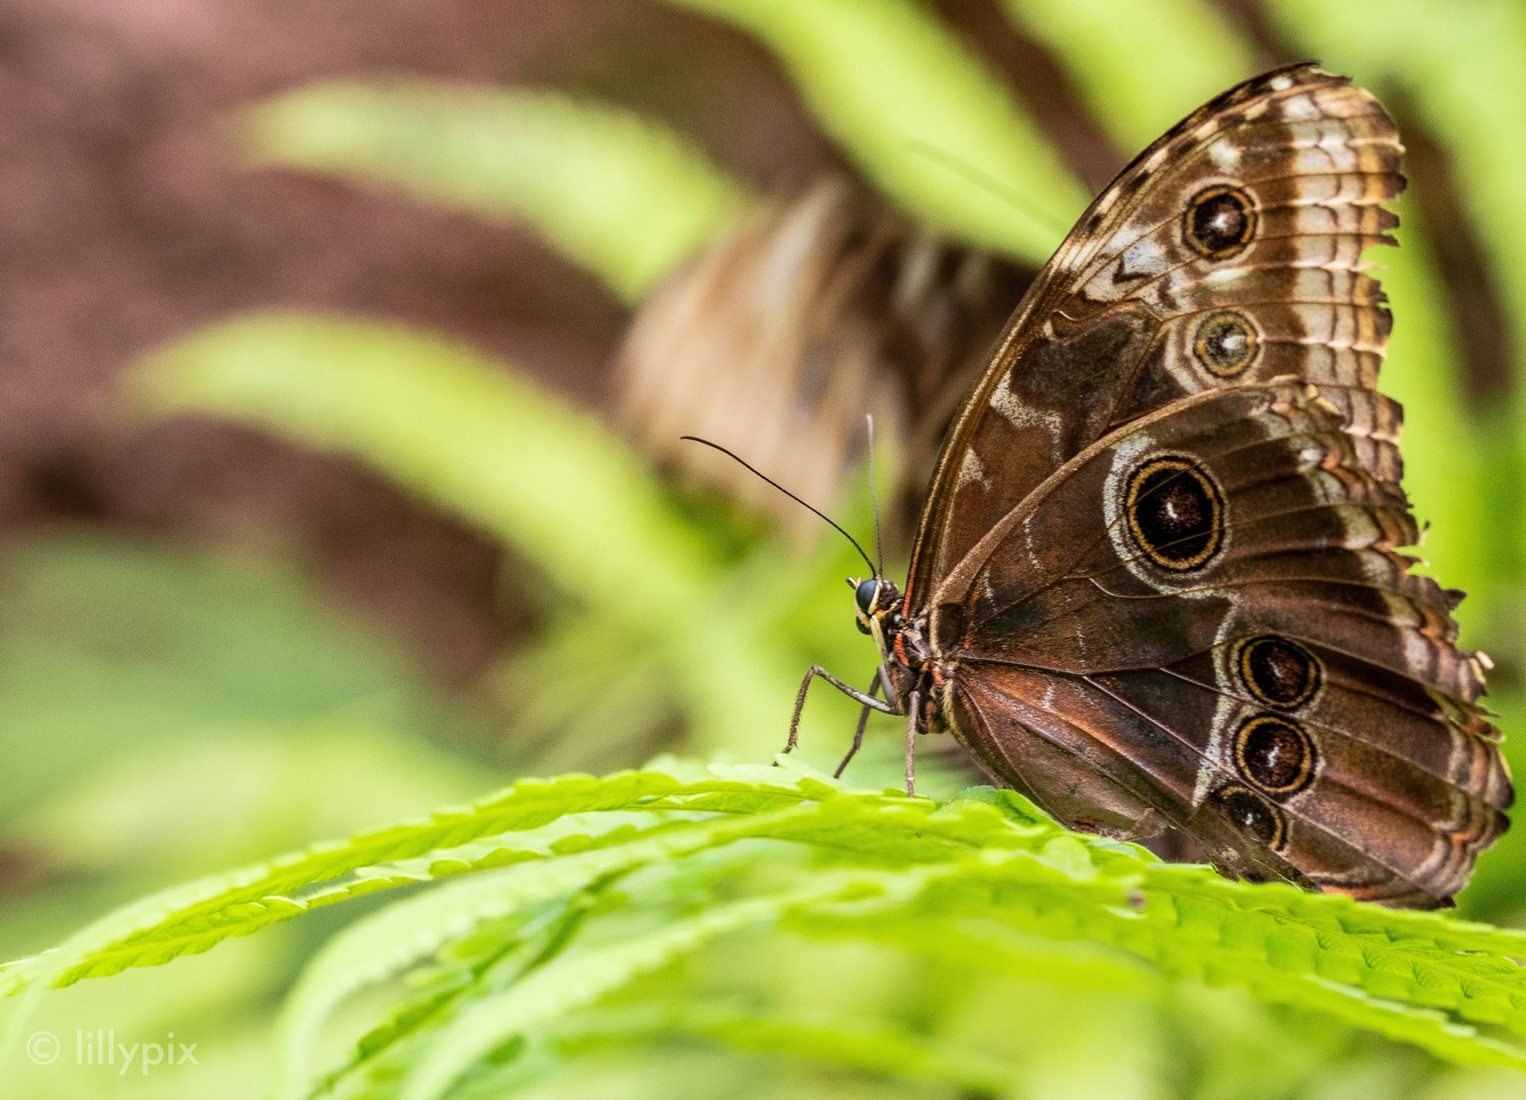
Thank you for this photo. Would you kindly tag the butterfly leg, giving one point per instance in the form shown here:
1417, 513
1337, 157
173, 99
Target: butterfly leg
858, 731
868, 700
911, 744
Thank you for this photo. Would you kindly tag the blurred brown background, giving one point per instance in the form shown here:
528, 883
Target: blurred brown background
126, 220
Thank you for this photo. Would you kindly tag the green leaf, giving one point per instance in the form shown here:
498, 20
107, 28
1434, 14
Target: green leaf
1137, 102
920, 114
791, 844
452, 426
619, 194
865, 1046
380, 946
581, 978
471, 437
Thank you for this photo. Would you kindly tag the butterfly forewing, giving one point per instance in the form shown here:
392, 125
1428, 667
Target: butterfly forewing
1158, 579
1229, 252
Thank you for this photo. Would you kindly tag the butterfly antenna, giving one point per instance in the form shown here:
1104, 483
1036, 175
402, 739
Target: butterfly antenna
739, 460
874, 503
987, 182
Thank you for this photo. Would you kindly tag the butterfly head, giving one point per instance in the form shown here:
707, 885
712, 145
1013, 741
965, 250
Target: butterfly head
875, 598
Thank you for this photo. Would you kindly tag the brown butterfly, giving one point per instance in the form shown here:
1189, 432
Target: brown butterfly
1156, 581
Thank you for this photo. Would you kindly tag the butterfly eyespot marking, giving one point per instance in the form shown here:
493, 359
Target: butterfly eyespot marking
1253, 814
1278, 672
1226, 343
1220, 221
1175, 513
1275, 754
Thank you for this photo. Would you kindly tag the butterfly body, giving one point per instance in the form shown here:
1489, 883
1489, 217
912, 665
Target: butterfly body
1158, 578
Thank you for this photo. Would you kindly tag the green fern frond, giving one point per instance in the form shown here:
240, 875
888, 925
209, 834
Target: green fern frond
725, 849
858, 1045
454, 427
619, 194
920, 114
461, 432
380, 946
1134, 101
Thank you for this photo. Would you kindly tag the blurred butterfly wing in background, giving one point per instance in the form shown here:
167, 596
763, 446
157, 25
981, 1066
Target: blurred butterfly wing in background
1158, 565
821, 306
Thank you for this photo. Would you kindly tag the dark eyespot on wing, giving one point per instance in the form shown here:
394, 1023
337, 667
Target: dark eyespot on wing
1175, 513
1220, 221
1275, 753
1226, 343
1253, 815
1278, 671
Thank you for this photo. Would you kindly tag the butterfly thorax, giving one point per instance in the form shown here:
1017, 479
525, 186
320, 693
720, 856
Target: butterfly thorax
909, 665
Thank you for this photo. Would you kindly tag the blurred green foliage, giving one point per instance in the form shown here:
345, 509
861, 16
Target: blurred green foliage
631, 580
542, 156
919, 114
144, 686
221, 695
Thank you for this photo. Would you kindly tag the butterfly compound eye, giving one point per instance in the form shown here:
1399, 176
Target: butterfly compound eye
864, 595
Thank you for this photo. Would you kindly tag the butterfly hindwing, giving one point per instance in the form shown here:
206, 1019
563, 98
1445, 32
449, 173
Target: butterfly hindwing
1208, 608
